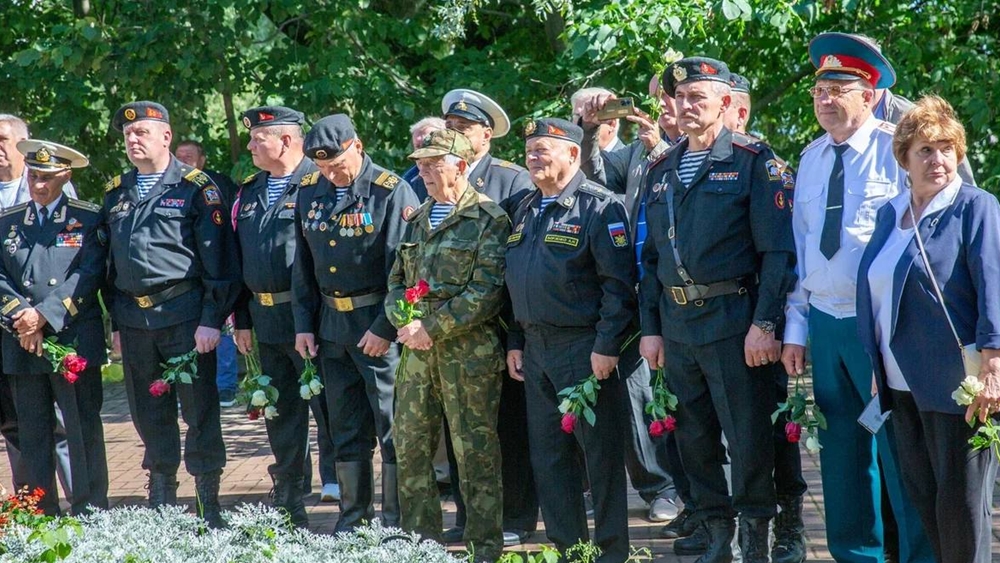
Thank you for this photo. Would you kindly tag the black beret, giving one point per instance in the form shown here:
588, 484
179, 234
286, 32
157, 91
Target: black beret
739, 83
265, 116
330, 137
693, 69
555, 128
138, 111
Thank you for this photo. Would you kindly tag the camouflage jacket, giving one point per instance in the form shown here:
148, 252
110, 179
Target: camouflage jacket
463, 262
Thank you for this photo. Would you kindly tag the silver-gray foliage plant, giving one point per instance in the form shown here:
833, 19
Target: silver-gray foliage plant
256, 534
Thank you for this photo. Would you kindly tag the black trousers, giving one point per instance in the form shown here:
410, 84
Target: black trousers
359, 395
520, 500
718, 393
788, 480
288, 433
80, 404
556, 358
950, 483
8, 428
155, 418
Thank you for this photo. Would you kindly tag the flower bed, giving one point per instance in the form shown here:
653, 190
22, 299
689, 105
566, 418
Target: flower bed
171, 535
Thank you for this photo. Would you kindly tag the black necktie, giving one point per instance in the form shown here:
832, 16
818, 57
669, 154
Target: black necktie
43, 215
829, 243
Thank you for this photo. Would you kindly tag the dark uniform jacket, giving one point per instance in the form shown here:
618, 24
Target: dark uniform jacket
504, 182
732, 223
180, 233
571, 265
346, 249
267, 247
57, 268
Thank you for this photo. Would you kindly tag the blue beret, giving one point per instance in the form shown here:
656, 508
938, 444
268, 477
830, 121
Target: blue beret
330, 137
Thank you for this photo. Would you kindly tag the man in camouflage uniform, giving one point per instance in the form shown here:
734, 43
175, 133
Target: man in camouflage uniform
454, 242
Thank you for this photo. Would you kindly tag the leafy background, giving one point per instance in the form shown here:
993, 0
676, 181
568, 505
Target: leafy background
66, 65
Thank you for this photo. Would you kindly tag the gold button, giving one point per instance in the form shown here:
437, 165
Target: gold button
333, 269
333, 243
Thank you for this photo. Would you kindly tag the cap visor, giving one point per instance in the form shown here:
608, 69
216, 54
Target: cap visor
427, 152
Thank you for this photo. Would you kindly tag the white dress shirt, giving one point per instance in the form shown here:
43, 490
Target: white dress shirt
871, 178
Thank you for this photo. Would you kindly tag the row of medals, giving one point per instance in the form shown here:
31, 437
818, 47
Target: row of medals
351, 224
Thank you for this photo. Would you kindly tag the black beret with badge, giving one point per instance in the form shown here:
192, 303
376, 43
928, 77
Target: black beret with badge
739, 83
477, 107
267, 116
139, 111
693, 69
330, 137
47, 156
555, 128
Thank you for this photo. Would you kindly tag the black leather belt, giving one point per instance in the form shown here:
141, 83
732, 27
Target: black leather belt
697, 293
347, 304
272, 299
176, 290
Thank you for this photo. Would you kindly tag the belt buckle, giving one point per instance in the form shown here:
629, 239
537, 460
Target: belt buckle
144, 302
266, 299
679, 296
343, 304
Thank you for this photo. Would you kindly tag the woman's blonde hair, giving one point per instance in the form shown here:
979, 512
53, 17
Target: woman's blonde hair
932, 119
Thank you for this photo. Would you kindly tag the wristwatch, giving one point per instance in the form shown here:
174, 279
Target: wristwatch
767, 327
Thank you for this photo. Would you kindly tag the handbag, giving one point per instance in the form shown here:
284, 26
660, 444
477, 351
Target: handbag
971, 357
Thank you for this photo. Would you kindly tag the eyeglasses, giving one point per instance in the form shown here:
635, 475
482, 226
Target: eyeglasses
832, 91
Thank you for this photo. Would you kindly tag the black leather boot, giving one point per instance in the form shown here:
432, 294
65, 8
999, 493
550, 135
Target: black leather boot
681, 527
789, 544
356, 491
288, 497
720, 538
390, 496
753, 539
694, 543
206, 488
162, 489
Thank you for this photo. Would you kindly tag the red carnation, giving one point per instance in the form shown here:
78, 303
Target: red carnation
793, 432
71, 376
656, 429
74, 363
414, 293
159, 388
568, 422
670, 423
253, 414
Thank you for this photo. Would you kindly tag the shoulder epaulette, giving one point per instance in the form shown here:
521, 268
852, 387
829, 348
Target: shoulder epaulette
309, 179
504, 163
595, 190
387, 180
198, 178
491, 207
747, 142
812, 144
85, 205
113, 183
887, 127
248, 178
12, 210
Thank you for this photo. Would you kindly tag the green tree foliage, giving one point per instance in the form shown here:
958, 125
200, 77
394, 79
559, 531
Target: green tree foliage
66, 65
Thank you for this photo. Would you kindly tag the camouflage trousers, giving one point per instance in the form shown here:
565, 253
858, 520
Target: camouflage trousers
439, 382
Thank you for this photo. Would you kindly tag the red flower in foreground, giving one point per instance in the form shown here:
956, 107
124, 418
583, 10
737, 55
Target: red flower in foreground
253, 414
71, 376
670, 423
159, 388
568, 422
413, 294
793, 432
74, 363
656, 429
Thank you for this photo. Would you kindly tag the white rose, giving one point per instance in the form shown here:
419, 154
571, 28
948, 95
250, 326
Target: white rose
962, 397
259, 398
305, 392
812, 445
315, 386
270, 412
973, 386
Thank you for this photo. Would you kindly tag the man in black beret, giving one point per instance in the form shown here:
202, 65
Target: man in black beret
350, 221
570, 273
718, 262
174, 282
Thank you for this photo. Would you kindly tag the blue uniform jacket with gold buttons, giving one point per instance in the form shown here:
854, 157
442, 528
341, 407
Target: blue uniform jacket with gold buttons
732, 222
267, 244
58, 269
572, 265
181, 232
346, 249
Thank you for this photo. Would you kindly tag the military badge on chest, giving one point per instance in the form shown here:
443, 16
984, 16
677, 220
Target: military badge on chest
13, 240
69, 240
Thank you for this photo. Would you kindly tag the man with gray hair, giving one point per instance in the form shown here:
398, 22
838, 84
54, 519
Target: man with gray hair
607, 131
418, 132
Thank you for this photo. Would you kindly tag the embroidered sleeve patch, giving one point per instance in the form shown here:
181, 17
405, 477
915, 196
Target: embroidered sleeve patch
211, 195
217, 217
773, 169
618, 237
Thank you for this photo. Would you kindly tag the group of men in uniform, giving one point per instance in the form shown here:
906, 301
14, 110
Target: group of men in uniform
675, 252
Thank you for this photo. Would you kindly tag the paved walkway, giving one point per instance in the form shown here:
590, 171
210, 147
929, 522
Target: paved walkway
245, 480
